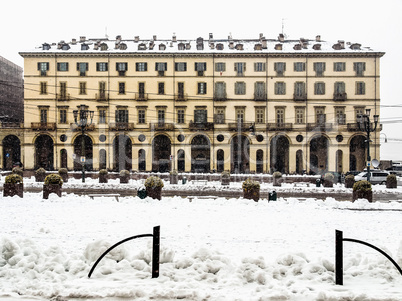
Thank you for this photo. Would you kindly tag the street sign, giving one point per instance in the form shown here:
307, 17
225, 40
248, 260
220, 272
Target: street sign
82, 160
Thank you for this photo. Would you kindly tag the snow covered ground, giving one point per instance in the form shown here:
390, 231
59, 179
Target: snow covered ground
211, 249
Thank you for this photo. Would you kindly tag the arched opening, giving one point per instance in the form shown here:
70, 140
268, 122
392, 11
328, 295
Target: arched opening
63, 158
181, 166
161, 148
357, 151
339, 161
200, 154
141, 160
279, 148
102, 159
299, 162
240, 154
220, 160
44, 152
11, 151
260, 161
122, 150
80, 153
319, 155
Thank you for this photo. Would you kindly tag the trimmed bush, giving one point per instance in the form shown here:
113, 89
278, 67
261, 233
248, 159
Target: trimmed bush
40, 174
13, 179
225, 178
276, 178
328, 180
18, 171
63, 172
124, 176
251, 189
54, 179
392, 181
153, 186
349, 181
362, 190
13, 186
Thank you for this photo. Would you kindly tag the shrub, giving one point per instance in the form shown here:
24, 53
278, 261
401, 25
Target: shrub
103, 172
174, 172
329, 177
225, 174
40, 171
153, 182
350, 178
349, 181
63, 171
392, 181
18, 171
53, 179
124, 173
249, 185
277, 174
363, 186
14, 179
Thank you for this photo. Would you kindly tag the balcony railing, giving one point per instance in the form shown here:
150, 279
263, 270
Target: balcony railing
11, 125
201, 126
181, 97
75, 127
141, 96
316, 126
260, 96
279, 126
300, 97
354, 127
63, 97
340, 96
220, 96
240, 126
161, 126
101, 96
121, 126
43, 126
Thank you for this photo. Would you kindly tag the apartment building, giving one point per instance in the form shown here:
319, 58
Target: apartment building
243, 105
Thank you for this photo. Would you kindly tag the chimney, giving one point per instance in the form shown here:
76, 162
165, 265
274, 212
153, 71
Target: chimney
154, 37
318, 38
261, 36
342, 43
211, 36
118, 38
231, 45
264, 44
83, 39
281, 37
174, 38
136, 39
74, 41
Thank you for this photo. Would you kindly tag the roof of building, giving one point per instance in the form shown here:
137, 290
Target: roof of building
200, 45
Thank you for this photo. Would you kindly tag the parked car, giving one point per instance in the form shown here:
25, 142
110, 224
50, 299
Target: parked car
352, 172
376, 176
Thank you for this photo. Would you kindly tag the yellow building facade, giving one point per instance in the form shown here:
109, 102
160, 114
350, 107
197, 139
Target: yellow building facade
250, 105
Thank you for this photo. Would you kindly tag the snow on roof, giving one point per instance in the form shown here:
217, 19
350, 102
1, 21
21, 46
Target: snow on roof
200, 45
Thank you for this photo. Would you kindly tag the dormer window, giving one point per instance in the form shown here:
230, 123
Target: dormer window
84, 46
258, 47
123, 46
65, 47
103, 46
219, 46
188, 46
278, 47
46, 46
162, 47
297, 47
142, 46
200, 46
239, 47
355, 46
181, 46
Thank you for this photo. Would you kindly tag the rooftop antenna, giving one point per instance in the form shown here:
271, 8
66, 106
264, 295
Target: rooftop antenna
106, 36
283, 28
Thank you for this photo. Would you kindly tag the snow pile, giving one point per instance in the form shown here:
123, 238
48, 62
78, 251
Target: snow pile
211, 249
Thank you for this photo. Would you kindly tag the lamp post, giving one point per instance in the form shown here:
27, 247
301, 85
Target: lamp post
365, 125
83, 123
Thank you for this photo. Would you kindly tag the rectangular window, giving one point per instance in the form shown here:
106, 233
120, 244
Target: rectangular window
63, 116
43, 115
43, 87
358, 111
240, 68
320, 117
300, 89
102, 116
259, 91
141, 116
299, 67
43, 68
141, 67
360, 88
340, 117
83, 88
122, 88
82, 68
219, 115
200, 66
161, 88
259, 67
299, 114
220, 91
339, 66
160, 66
141, 91
180, 90
280, 116
359, 68
121, 67
180, 116
62, 66
102, 67
319, 68
319, 88
200, 116
280, 68
240, 88
240, 115
280, 88
202, 88
161, 117
260, 115
102, 89
180, 66
220, 67
339, 88
121, 116
63, 90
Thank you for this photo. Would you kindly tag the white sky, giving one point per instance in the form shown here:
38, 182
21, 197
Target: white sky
26, 24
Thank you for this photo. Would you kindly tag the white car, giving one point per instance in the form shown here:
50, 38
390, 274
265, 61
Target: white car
376, 176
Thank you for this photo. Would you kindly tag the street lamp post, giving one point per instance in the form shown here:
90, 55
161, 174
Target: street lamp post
83, 123
365, 125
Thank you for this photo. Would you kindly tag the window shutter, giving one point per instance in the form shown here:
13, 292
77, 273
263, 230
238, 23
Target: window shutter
165, 66
78, 66
244, 67
38, 66
235, 67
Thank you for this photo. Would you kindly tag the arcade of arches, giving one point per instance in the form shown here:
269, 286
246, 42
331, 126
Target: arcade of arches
240, 154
